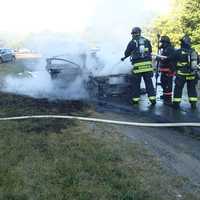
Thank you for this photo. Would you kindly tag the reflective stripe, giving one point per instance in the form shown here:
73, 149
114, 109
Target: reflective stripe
152, 98
177, 100
165, 70
190, 78
167, 93
193, 99
183, 74
140, 67
136, 99
142, 70
145, 63
182, 64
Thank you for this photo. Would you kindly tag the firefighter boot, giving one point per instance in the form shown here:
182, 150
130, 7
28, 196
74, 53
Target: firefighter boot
193, 105
153, 102
135, 101
167, 100
176, 105
152, 99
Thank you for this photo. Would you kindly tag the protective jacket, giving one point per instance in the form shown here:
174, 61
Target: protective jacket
187, 60
139, 49
167, 69
167, 65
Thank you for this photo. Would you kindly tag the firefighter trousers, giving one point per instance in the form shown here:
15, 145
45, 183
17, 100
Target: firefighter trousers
167, 84
191, 88
147, 77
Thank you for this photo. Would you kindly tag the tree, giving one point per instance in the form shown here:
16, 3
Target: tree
184, 18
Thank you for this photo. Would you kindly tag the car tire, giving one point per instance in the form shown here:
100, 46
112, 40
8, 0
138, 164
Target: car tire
1, 61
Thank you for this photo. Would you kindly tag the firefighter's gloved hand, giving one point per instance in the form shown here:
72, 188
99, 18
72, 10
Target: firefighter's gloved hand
122, 59
157, 58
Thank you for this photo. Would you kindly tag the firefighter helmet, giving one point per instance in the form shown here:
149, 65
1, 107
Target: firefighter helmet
165, 39
136, 31
186, 41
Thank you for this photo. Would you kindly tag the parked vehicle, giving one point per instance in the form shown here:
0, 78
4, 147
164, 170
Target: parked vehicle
7, 55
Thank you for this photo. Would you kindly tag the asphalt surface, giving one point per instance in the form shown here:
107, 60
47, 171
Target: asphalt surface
158, 113
177, 148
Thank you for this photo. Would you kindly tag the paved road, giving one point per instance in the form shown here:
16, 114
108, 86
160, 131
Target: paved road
177, 149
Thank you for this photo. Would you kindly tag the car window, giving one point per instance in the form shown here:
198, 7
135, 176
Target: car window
9, 51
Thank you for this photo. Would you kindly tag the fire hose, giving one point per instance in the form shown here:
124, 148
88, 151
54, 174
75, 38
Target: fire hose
106, 121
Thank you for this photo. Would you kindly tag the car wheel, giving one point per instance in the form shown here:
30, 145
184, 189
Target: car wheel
1, 61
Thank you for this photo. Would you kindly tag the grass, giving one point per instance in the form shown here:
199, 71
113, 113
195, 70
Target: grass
11, 68
51, 159
74, 162
20, 66
63, 159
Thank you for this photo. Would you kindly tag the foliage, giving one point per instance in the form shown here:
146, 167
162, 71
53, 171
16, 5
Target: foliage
184, 18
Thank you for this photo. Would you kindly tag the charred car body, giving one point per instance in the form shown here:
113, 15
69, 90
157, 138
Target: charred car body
97, 86
63, 69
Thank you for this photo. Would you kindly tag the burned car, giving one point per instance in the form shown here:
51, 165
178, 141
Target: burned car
97, 86
60, 68
114, 85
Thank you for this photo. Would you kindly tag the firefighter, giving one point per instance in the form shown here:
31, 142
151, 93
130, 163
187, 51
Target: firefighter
167, 68
139, 49
187, 64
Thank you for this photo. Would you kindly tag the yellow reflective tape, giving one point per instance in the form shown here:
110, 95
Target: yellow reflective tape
141, 67
183, 74
177, 100
193, 99
152, 98
182, 64
144, 67
136, 99
142, 63
142, 70
190, 78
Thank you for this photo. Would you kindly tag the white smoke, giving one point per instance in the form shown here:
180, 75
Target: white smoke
108, 29
36, 84
36, 80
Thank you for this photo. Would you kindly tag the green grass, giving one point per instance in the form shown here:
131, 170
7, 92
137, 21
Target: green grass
59, 159
20, 66
51, 159
12, 69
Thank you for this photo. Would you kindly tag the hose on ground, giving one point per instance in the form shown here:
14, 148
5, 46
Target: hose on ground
139, 124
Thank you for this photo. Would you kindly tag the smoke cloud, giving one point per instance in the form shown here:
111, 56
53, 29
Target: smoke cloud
36, 81
107, 31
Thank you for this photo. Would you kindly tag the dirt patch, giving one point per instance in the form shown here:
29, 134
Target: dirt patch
14, 105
